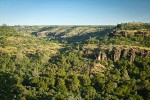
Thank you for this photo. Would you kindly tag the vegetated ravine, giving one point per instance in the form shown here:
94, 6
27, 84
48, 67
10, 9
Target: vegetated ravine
75, 62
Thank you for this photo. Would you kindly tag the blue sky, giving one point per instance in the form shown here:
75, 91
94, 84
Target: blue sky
73, 12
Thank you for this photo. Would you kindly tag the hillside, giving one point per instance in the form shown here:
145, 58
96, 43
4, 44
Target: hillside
65, 33
74, 63
132, 29
13, 43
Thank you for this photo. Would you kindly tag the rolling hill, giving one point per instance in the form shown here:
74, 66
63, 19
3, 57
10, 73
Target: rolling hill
75, 62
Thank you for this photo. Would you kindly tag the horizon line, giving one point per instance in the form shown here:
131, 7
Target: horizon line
70, 24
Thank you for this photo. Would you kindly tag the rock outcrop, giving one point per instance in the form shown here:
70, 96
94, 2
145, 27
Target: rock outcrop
117, 53
124, 53
102, 56
126, 33
132, 55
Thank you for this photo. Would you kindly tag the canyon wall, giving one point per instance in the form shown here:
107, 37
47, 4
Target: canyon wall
117, 53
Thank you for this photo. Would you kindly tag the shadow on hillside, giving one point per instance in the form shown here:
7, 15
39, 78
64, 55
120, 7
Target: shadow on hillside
76, 38
84, 37
55, 34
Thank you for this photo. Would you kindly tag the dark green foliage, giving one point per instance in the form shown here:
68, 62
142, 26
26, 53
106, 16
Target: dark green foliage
8, 87
31, 74
146, 41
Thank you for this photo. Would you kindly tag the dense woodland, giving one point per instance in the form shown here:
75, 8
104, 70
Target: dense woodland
55, 67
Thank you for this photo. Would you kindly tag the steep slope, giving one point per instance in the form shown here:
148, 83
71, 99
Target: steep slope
94, 65
115, 52
65, 32
13, 42
132, 29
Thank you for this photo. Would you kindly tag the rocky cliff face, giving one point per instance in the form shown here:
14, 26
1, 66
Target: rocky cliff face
119, 52
102, 56
132, 29
126, 33
116, 53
